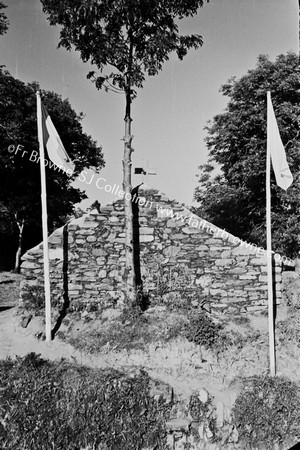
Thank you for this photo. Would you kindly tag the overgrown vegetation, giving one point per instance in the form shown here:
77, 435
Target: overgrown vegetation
267, 412
130, 330
45, 405
288, 329
34, 300
134, 329
202, 330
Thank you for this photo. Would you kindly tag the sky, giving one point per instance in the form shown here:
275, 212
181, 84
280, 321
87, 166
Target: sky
171, 111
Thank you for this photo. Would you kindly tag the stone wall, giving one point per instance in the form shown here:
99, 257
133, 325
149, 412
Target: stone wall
181, 257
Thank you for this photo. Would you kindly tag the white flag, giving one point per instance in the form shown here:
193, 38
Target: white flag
56, 151
283, 175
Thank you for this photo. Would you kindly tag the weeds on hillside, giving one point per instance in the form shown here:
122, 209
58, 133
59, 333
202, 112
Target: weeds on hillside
34, 300
133, 329
47, 405
267, 412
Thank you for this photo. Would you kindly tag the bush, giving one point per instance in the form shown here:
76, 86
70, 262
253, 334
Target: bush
45, 405
268, 412
34, 299
203, 331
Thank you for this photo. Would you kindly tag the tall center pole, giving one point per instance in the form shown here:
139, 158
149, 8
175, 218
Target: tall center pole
129, 253
269, 247
44, 220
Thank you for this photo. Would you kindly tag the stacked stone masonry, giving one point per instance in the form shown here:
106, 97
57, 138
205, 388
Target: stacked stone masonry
180, 255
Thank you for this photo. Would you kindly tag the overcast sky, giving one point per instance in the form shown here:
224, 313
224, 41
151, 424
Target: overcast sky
172, 109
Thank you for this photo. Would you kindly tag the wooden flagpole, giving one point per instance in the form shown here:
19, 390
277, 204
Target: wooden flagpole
44, 220
269, 246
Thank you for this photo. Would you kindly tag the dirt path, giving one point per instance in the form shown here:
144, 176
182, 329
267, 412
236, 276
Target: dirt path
16, 340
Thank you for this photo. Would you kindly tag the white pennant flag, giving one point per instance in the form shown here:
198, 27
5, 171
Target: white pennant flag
283, 175
55, 149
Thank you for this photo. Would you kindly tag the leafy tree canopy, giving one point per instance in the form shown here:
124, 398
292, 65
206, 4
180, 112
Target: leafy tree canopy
134, 37
231, 190
20, 184
3, 20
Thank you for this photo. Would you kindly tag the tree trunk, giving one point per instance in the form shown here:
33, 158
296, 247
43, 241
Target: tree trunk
19, 250
127, 187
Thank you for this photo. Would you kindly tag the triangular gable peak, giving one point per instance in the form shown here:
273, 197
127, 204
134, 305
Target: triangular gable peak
180, 217
178, 251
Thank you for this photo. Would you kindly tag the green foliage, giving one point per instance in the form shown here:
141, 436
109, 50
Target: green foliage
3, 20
79, 306
129, 331
241, 320
233, 198
133, 37
47, 405
203, 331
34, 299
197, 409
288, 329
267, 412
19, 169
132, 329
170, 280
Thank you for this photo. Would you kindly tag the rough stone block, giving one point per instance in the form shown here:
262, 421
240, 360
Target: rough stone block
217, 249
102, 273
213, 241
220, 292
146, 230
219, 305
223, 262
248, 277
203, 395
99, 252
80, 241
30, 265
146, 238
27, 256
89, 224
91, 239
56, 254
113, 219
263, 278
225, 254
180, 424
55, 239
258, 261
237, 270
73, 293
190, 230
73, 286
87, 232
201, 248
242, 250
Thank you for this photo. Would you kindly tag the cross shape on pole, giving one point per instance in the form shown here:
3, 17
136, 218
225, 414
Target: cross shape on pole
145, 173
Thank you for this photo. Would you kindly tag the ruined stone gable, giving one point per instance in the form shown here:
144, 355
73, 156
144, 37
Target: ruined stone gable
178, 256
